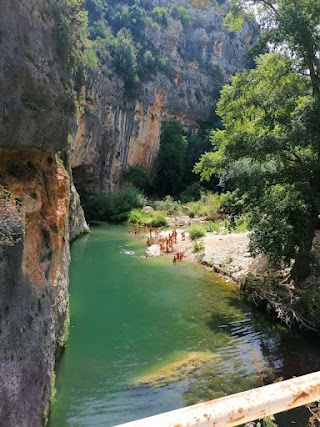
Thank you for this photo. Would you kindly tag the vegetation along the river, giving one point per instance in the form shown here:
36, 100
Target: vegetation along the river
263, 160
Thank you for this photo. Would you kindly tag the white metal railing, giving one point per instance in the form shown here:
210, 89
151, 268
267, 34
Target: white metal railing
242, 407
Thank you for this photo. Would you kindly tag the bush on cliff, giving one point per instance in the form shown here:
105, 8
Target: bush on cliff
113, 207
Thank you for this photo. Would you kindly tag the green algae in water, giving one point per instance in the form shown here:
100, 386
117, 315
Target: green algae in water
183, 364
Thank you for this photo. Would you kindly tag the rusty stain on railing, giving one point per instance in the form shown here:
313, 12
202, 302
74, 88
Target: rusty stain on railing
242, 407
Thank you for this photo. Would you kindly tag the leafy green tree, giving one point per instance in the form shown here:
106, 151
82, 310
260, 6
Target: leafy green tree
148, 63
132, 18
269, 153
124, 55
292, 24
181, 13
197, 145
137, 177
171, 159
112, 207
96, 9
287, 158
71, 23
161, 15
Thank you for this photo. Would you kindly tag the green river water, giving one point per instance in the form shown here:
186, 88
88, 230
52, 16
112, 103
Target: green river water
148, 336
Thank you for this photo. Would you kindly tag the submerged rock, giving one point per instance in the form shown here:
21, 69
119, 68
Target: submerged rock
185, 364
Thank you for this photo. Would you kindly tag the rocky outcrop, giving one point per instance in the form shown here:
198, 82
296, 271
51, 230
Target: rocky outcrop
77, 221
34, 115
116, 132
33, 285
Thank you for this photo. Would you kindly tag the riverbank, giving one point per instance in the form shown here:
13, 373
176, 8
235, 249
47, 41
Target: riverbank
228, 255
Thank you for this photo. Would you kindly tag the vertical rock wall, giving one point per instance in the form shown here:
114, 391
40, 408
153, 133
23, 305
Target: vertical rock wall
117, 132
33, 285
34, 164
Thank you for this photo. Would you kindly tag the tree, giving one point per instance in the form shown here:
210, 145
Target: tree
161, 15
293, 147
181, 13
291, 24
124, 55
71, 24
268, 152
171, 159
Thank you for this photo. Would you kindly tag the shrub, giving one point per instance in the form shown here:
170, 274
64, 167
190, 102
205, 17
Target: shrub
196, 231
213, 206
311, 302
191, 193
208, 206
241, 224
213, 226
155, 219
137, 216
168, 205
231, 203
68, 31
124, 55
158, 220
198, 246
113, 207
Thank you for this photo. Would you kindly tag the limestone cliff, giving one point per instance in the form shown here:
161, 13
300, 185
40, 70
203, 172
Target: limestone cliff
116, 131
34, 115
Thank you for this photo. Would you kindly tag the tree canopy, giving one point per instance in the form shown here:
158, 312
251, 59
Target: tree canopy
171, 159
269, 151
292, 25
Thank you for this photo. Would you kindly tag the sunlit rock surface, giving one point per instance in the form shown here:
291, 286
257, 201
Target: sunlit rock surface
117, 132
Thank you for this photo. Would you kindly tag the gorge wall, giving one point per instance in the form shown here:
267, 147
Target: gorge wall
34, 166
118, 131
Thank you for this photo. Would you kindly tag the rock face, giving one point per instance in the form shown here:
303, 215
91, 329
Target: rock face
77, 221
34, 115
117, 132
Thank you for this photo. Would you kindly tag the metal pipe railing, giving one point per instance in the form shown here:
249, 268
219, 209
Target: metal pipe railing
242, 407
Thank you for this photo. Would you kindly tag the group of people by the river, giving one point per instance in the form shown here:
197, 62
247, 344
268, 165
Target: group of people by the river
165, 242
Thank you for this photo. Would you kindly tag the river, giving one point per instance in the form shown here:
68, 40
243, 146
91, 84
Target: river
148, 336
